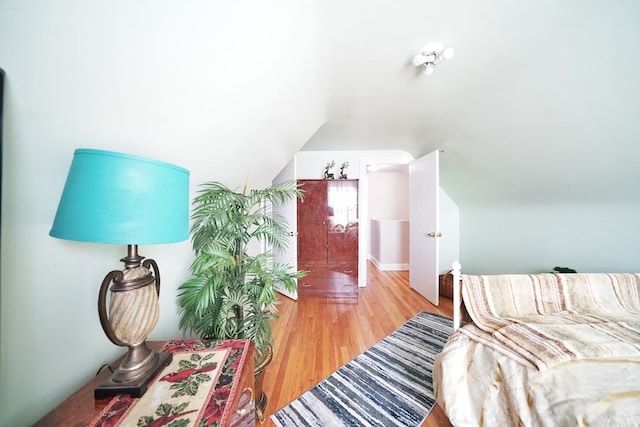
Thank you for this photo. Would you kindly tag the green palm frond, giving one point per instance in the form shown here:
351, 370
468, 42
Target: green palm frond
232, 293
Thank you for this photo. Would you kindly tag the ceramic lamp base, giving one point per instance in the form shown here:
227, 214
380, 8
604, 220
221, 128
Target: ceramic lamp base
136, 387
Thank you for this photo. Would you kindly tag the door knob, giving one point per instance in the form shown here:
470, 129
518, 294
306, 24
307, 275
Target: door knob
433, 234
292, 233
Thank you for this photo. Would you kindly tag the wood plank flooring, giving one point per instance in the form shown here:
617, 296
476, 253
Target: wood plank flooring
314, 336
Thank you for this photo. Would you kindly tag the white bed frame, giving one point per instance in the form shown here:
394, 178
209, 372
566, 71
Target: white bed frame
457, 297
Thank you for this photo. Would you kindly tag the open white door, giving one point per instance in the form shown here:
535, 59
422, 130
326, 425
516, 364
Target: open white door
424, 232
288, 211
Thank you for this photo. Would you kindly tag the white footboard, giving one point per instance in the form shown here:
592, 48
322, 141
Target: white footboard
457, 297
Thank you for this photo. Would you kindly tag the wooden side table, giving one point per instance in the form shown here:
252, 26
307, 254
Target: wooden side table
80, 409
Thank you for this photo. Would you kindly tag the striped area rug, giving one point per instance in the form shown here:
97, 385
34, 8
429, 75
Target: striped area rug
388, 385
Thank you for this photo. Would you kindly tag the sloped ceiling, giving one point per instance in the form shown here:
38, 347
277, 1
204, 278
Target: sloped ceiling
539, 105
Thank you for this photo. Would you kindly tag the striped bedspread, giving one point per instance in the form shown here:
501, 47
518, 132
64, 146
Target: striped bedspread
547, 319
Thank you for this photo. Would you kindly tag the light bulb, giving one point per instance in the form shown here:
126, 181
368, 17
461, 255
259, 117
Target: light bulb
428, 69
447, 53
419, 60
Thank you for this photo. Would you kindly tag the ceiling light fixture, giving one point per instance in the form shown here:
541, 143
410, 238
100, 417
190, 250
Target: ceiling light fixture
431, 55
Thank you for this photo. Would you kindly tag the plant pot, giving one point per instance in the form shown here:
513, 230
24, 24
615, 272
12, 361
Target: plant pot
261, 398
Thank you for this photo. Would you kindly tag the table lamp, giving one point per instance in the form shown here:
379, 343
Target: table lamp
122, 199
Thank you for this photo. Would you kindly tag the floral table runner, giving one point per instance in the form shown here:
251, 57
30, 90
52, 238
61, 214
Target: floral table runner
191, 391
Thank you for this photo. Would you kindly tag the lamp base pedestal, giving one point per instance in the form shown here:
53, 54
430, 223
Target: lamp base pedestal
136, 387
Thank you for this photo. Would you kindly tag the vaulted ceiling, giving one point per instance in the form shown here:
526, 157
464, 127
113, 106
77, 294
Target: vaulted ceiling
539, 104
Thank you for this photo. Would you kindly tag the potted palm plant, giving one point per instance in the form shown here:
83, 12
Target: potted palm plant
232, 293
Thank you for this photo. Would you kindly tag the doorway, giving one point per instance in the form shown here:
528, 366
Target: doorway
388, 211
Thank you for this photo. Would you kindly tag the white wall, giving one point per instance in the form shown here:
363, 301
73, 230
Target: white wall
388, 195
209, 85
389, 213
449, 224
389, 244
535, 238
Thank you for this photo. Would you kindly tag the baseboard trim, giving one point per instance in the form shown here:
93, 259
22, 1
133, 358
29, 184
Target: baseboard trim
388, 266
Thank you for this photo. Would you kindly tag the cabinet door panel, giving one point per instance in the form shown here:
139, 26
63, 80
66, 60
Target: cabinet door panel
312, 209
312, 224
312, 246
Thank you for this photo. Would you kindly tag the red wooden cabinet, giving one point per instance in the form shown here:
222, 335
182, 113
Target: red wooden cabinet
327, 220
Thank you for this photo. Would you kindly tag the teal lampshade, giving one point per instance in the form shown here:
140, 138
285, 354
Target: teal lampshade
119, 198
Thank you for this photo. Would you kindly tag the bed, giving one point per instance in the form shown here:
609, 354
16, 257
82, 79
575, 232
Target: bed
542, 350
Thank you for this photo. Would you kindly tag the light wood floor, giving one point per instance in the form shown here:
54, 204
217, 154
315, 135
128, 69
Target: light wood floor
314, 336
